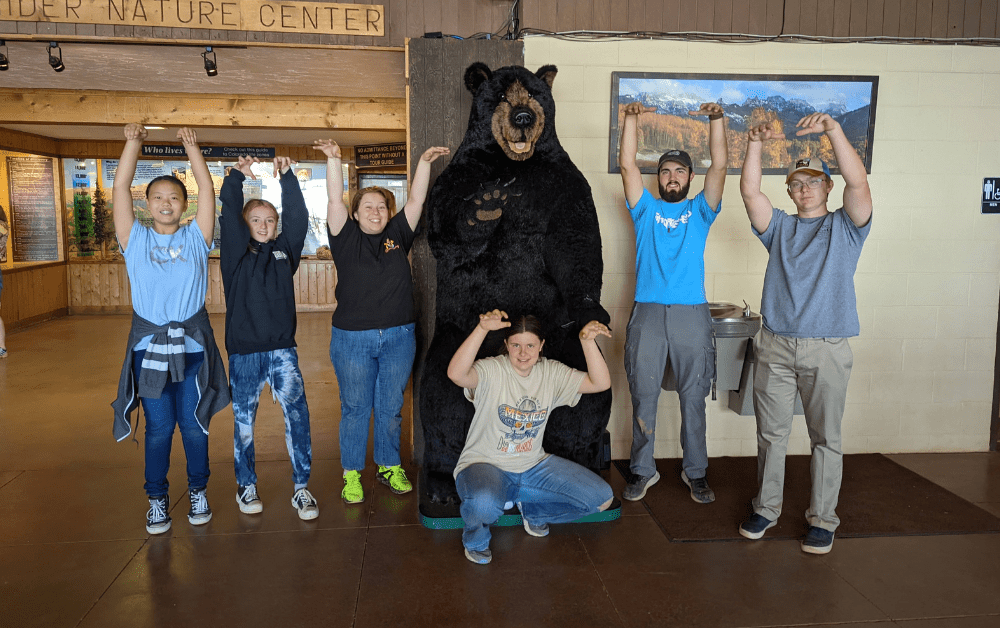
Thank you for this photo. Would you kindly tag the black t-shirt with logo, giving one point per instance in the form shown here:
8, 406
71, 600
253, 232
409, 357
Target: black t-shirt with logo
374, 288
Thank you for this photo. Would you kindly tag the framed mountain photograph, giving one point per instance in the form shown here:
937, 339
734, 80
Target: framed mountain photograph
748, 100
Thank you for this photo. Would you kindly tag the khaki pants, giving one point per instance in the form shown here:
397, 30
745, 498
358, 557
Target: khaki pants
819, 369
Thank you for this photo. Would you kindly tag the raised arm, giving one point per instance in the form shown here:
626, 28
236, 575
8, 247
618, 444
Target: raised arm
598, 379
460, 369
122, 211
759, 207
205, 216
234, 232
715, 178
421, 180
857, 194
336, 211
631, 175
294, 215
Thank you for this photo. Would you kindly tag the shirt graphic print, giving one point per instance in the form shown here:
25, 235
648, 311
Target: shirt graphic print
522, 425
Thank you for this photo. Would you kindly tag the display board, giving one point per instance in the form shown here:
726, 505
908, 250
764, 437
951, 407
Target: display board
29, 220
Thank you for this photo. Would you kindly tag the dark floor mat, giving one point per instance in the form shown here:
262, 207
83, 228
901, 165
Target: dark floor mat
878, 498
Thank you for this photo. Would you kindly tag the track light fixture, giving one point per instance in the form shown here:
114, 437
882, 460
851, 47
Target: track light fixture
56, 61
211, 68
4, 63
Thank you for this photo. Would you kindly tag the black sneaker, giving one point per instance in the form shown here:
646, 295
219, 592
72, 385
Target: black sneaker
754, 527
817, 541
305, 504
636, 489
158, 519
248, 500
200, 513
699, 489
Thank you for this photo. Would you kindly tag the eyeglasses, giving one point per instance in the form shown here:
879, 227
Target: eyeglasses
796, 186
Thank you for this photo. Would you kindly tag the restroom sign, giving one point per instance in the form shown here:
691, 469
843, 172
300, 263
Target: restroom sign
991, 195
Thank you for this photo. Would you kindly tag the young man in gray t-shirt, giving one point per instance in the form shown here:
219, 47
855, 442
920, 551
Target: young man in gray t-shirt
809, 311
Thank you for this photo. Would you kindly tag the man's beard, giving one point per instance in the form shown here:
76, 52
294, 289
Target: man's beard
674, 197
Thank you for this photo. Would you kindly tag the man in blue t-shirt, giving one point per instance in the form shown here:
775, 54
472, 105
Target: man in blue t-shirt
670, 318
809, 311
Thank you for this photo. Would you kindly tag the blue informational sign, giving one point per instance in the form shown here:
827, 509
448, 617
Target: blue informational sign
210, 152
991, 195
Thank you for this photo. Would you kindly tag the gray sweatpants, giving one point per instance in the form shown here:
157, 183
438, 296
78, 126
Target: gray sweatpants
682, 334
819, 369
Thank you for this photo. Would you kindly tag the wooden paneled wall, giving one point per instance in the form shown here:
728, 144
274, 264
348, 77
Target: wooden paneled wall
413, 18
439, 115
103, 287
834, 18
33, 294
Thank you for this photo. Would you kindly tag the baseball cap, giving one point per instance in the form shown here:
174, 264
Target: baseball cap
812, 165
676, 156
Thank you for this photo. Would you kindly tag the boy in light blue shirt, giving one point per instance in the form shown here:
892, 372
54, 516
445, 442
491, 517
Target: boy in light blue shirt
809, 311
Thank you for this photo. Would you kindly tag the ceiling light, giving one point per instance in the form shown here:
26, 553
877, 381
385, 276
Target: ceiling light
4, 63
154, 128
56, 61
211, 68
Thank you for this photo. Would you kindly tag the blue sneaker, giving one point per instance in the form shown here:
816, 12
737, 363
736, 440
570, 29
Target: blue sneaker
480, 558
817, 541
754, 527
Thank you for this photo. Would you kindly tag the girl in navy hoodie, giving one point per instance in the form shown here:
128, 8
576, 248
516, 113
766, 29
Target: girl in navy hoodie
257, 267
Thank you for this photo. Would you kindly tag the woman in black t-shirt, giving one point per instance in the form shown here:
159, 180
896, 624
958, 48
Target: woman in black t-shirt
372, 342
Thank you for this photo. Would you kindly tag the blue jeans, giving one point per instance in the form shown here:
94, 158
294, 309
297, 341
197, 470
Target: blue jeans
555, 490
372, 367
247, 376
174, 407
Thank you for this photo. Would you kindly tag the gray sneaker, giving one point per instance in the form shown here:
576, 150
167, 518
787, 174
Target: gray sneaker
480, 558
636, 489
700, 492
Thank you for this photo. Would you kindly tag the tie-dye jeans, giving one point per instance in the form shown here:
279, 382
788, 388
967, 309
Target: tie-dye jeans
247, 376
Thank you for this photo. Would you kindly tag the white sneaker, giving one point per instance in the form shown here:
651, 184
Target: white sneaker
305, 504
248, 500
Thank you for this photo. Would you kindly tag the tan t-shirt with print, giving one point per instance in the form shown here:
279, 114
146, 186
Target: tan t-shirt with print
512, 411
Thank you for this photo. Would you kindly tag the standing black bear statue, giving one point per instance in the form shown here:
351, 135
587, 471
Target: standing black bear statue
512, 225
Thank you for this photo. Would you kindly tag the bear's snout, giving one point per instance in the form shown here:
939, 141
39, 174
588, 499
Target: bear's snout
523, 118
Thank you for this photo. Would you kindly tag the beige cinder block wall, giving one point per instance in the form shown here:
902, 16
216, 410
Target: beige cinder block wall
929, 277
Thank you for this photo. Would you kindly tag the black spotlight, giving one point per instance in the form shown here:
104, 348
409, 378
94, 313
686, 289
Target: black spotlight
211, 68
4, 63
56, 61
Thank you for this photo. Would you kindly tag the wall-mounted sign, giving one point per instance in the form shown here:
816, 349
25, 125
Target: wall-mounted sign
991, 195
33, 209
286, 16
210, 152
380, 155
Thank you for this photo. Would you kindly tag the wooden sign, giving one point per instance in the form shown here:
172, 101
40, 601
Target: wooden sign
312, 18
379, 155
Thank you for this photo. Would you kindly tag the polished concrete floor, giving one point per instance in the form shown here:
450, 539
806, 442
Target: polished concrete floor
74, 551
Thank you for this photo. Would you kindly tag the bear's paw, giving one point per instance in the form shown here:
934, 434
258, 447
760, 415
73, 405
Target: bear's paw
489, 201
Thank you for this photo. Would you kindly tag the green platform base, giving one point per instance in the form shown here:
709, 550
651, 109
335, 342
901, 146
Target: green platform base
512, 517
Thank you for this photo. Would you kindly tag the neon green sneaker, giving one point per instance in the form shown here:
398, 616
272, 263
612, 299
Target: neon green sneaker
353, 493
394, 478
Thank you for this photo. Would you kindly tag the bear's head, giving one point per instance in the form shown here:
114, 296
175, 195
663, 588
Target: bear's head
514, 104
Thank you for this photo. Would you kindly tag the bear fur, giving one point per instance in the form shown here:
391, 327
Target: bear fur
512, 225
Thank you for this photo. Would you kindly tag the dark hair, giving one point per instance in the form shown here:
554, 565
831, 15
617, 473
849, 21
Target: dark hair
390, 200
256, 202
523, 324
172, 179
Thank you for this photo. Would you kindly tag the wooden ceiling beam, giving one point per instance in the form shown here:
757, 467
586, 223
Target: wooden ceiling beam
201, 110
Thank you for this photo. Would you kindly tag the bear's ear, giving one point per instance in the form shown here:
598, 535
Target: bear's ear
547, 73
475, 75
